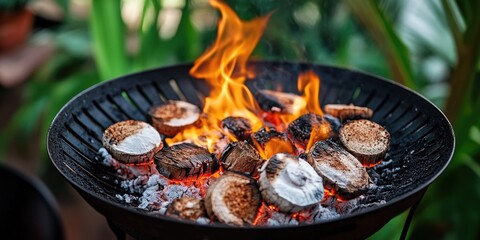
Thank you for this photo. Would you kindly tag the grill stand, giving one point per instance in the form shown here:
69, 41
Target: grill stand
409, 219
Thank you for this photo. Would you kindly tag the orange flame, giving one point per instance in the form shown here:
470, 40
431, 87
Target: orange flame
224, 67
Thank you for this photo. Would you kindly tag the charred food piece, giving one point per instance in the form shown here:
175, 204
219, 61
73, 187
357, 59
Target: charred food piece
240, 127
290, 183
348, 112
185, 160
132, 141
174, 116
366, 140
273, 101
187, 208
340, 170
307, 128
233, 199
270, 142
241, 157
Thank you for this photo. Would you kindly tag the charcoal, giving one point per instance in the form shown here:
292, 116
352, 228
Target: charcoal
270, 142
187, 208
308, 126
240, 127
272, 101
241, 157
185, 160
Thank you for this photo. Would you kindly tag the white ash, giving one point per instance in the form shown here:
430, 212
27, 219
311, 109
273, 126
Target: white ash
281, 219
126, 198
203, 220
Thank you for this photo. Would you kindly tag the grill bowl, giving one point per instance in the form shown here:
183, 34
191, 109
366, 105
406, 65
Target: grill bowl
422, 144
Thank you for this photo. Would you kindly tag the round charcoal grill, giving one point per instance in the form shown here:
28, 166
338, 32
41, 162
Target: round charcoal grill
422, 145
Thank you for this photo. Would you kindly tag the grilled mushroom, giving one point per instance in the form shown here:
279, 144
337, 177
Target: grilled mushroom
307, 128
241, 157
348, 112
238, 126
340, 170
366, 140
132, 141
185, 160
174, 116
233, 199
290, 183
273, 101
187, 208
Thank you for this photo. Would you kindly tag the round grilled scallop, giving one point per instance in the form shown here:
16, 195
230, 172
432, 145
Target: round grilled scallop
366, 140
174, 116
290, 183
233, 199
132, 141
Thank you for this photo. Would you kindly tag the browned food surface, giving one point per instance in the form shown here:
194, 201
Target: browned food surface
187, 208
185, 160
120, 130
241, 157
365, 139
345, 112
233, 199
340, 170
169, 111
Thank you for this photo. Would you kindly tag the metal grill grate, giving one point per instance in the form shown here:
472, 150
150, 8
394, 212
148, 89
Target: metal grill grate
421, 146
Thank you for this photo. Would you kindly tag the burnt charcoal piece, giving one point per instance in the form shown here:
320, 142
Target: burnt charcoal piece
185, 160
132, 141
335, 123
307, 128
241, 157
270, 142
290, 183
366, 140
348, 112
174, 116
238, 126
272, 101
187, 208
340, 170
233, 199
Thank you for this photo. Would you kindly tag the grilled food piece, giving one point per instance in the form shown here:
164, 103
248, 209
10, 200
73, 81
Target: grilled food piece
271, 142
273, 101
290, 183
348, 112
174, 116
185, 160
340, 170
240, 127
366, 140
132, 141
307, 128
241, 157
187, 208
233, 199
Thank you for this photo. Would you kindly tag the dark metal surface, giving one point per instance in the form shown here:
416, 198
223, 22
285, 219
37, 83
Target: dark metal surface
421, 146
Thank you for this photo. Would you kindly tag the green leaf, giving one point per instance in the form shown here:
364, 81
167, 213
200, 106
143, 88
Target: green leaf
382, 30
108, 38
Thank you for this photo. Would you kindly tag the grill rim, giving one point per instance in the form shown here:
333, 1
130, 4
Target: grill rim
54, 147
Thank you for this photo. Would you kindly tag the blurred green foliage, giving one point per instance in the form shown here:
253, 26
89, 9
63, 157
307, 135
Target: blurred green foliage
430, 46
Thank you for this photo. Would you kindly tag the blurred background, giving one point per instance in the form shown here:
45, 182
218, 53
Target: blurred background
50, 50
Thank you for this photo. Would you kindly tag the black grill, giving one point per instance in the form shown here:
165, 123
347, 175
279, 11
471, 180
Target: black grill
421, 146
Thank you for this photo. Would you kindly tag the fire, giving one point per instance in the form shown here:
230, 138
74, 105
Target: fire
224, 67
